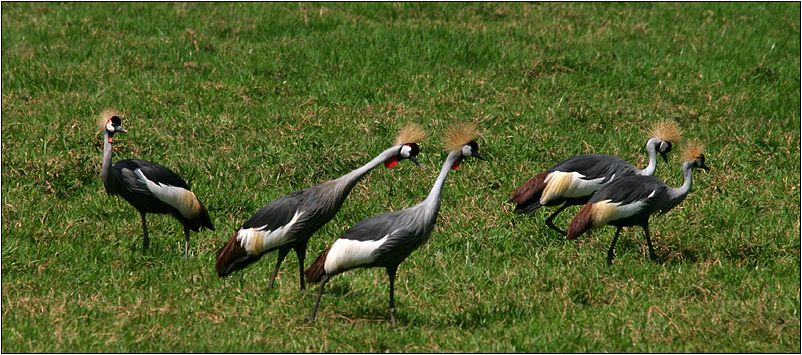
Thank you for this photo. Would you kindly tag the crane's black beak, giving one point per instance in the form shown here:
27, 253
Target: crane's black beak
665, 156
703, 166
120, 129
478, 156
415, 160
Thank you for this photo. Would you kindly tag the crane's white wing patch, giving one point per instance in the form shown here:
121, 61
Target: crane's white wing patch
606, 211
182, 199
562, 184
348, 253
258, 240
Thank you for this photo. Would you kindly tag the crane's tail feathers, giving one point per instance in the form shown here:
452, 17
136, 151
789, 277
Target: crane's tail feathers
582, 222
527, 207
528, 195
203, 217
315, 271
232, 257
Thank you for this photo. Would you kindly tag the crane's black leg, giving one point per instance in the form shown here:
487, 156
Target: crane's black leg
550, 218
391, 273
186, 242
300, 251
652, 255
145, 241
282, 253
319, 293
610, 254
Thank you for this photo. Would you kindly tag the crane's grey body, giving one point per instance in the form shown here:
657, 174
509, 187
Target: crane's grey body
289, 222
630, 201
387, 239
151, 188
574, 180
393, 235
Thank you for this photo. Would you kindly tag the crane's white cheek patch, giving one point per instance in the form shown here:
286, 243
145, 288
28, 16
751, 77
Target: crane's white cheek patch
258, 240
561, 184
606, 211
180, 198
348, 253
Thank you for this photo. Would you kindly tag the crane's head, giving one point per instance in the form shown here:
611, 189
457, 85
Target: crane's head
114, 124
460, 137
694, 156
661, 147
408, 139
407, 151
110, 121
663, 133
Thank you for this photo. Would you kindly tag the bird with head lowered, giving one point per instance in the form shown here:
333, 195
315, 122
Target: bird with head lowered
574, 180
387, 239
631, 200
288, 222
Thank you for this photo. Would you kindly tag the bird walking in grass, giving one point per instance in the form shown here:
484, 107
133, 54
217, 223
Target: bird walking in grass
287, 223
387, 239
149, 187
631, 200
574, 180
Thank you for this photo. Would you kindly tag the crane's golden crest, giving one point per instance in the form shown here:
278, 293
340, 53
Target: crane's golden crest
459, 134
693, 150
666, 130
105, 116
411, 133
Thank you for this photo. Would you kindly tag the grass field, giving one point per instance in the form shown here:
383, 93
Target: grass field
249, 102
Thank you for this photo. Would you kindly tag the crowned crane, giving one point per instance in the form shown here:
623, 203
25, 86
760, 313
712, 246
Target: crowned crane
574, 180
385, 240
288, 222
149, 187
629, 201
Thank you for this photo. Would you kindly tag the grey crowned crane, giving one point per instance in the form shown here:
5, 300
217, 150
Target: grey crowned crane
149, 187
387, 239
629, 201
574, 180
288, 222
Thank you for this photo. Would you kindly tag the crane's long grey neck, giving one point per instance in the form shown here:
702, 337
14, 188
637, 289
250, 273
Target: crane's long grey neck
651, 148
676, 195
347, 182
106, 155
432, 202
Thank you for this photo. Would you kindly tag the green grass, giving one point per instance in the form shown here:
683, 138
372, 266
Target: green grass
250, 101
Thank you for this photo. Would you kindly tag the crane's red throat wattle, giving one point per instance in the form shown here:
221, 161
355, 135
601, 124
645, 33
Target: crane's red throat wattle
391, 163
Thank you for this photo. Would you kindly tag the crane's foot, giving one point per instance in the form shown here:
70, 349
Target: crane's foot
610, 257
554, 228
269, 286
392, 316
